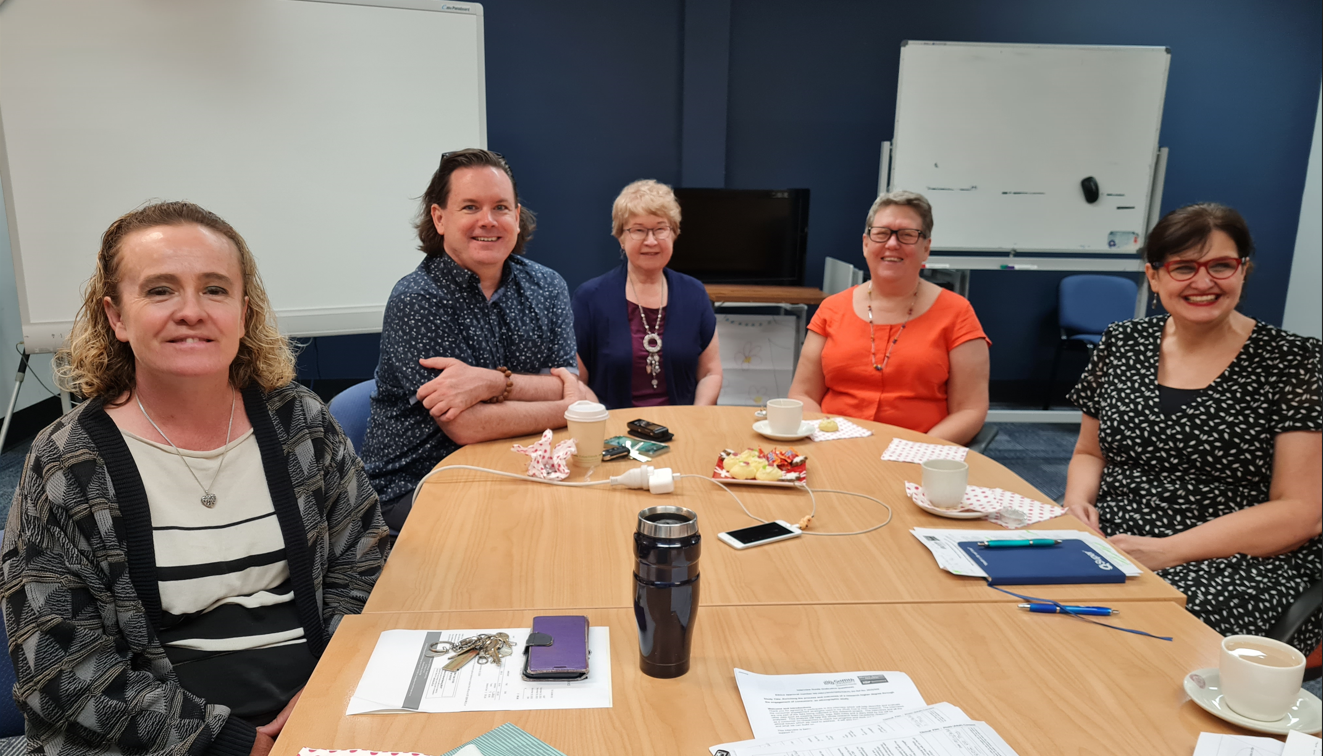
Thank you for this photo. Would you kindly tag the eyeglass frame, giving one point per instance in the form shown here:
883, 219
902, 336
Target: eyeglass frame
868, 231
633, 233
1204, 265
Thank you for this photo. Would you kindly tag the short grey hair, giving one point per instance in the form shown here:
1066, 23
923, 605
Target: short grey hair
913, 200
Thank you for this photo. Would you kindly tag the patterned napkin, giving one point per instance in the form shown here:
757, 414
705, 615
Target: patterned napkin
847, 430
901, 450
1007, 509
545, 462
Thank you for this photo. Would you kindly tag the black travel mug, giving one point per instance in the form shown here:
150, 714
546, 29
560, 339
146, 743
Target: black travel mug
666, 546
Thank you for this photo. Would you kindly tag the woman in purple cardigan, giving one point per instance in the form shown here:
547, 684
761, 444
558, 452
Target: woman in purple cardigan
647, 335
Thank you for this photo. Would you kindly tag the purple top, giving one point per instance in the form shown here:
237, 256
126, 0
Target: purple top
642, 389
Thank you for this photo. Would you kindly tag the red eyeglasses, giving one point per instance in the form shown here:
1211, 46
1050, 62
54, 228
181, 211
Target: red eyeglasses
1220, 268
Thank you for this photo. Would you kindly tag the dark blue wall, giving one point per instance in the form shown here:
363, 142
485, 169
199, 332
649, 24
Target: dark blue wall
584, 97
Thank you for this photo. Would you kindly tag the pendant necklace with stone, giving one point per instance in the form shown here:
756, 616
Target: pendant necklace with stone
652, 341
208, 498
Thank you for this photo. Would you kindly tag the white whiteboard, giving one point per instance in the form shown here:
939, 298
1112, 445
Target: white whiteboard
998, 138
312, 127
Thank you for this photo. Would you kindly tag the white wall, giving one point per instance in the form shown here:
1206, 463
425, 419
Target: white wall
1304, 307
11, 332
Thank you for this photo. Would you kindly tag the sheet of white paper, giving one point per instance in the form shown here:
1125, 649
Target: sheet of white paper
1300, 744
909, 720
943, 543
955, 739
781, 705
757, 357
400, 679
1217, 744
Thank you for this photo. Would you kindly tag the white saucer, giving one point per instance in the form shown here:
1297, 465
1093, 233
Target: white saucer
954, 514
806, 429
1204, 688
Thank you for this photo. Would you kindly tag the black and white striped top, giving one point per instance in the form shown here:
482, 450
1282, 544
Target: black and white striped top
228, 620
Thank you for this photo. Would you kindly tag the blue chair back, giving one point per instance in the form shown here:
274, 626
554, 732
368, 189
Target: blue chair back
351, 409
11, 719
1088, 304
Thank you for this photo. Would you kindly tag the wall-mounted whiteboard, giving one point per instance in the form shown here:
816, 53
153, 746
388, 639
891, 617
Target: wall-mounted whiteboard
312, 127
999, 137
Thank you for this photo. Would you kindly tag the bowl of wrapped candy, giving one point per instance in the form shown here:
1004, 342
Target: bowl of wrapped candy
770, 467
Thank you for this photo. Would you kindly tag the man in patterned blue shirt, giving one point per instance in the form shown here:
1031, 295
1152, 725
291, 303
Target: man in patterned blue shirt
470, 336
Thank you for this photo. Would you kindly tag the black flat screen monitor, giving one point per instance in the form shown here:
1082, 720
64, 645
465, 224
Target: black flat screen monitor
743, 236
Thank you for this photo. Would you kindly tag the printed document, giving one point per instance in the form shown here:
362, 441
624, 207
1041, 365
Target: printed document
1300, 744
1218, 744
944, 544
957, 739
401, 677
783, 705
910, 720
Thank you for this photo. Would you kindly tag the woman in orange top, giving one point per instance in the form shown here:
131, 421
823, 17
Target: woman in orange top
897, 349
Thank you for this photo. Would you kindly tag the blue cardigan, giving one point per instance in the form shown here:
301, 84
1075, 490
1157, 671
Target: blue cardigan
601, 327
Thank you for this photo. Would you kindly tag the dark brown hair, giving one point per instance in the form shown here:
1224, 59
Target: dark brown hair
1187, 229
438, 193
95, 363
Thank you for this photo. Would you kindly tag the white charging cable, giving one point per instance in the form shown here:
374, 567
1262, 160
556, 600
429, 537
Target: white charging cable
656, 480
661, 480
812, 513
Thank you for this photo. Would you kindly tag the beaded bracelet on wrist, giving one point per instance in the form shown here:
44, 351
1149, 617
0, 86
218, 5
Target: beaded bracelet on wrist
509, 386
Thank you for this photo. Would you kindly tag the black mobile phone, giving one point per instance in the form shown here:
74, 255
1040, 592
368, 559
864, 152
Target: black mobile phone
649, 430
614, 451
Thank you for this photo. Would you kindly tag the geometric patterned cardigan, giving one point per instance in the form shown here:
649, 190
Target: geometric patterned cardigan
81, 600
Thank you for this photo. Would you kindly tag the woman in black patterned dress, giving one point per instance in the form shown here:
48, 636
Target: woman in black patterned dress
1199, 449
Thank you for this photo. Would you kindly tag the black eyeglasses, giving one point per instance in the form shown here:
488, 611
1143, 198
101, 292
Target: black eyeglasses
881, 234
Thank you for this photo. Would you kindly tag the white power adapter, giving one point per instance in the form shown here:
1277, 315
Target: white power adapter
656, 480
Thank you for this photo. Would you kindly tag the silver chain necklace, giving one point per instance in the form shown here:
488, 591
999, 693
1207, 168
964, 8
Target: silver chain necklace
652, 341
208, 498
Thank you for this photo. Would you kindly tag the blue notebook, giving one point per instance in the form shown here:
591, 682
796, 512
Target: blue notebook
1069, 562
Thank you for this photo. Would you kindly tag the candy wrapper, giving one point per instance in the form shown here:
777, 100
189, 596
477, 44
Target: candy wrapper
545, 462
771, 467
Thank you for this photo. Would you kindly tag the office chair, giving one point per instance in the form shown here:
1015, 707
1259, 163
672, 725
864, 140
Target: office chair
1295, 618
351, 408
983, 439
1086, 306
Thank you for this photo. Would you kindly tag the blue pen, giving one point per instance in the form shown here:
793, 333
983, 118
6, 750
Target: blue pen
1093, 611
1018, 543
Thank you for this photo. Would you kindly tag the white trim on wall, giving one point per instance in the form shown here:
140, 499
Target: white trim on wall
1304, 307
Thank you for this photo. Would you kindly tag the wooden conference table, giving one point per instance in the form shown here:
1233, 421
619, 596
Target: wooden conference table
1049, 685
479, 541
480, 551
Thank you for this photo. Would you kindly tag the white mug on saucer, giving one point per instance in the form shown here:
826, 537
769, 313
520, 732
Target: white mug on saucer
784, 416
944, 482
1260, 677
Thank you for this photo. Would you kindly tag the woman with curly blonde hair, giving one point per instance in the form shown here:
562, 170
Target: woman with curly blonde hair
196, 529
647, 335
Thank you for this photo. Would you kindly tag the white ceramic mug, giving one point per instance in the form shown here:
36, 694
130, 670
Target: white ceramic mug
784, 416
1260, 677
944, 482
587, 424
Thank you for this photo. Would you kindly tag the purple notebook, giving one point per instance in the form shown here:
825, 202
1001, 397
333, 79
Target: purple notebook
566, 657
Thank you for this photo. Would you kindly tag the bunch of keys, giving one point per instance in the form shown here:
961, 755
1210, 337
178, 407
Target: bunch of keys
486, 648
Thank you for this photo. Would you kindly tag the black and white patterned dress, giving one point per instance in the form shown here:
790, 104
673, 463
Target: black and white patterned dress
1168, 473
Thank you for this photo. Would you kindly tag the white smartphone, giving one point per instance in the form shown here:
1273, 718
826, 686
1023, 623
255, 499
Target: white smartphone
768, 532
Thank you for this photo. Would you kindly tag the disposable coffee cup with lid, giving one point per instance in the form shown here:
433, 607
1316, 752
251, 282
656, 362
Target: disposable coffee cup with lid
587, 425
